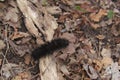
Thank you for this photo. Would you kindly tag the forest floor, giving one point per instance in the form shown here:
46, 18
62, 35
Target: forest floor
91, 26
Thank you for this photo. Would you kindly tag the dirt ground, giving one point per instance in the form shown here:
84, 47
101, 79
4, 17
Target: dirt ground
91, 26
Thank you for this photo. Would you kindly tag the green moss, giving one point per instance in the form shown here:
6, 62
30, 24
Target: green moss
80, 9
110, 14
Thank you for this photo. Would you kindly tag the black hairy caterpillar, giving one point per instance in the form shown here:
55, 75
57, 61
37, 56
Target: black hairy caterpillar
49, 47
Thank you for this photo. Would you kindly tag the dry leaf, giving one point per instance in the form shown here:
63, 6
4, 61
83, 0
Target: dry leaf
27, 59
61, 77
24, 40
112, 71
69, 36
115, 71
2, 44
7, 70
95, 26
68, 2
109, 22
70, 49
53, 10
73, 61
86, 7
106, 52
17, 78
50, 26
103, 24
19, 35
63, 17
64, 69
90, 71
12, 15
115, 30
2, 5
106, 61
19, 50
117, 40
23, 76
100, 37
63, 57
98, 65
0, 62
96, 17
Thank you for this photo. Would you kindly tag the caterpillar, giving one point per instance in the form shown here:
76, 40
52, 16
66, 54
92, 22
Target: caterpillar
49, 47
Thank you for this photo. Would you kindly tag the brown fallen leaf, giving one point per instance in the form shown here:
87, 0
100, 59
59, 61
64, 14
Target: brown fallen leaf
64, 69
115, 69
96, 17
9, 70
70, 49
24, 40
62, 18
17, 78
106, 52
103, 24
63, 57
92, 73
112, 71
100, 37
95, 26
50, 26
69, 36
19, 50
117, 40
0, 62
2, 44
106, 61
19, 35
53, 10
98, 65
87, 7
115, 30
27, 59
22, 76
68, 2
2, 5
12, 14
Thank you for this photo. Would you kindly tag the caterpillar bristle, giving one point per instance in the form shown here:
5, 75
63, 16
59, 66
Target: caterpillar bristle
49, 47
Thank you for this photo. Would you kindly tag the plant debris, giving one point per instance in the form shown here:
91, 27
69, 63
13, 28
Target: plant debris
91, 26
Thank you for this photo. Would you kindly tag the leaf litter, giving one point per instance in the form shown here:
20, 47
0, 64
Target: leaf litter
92, 27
